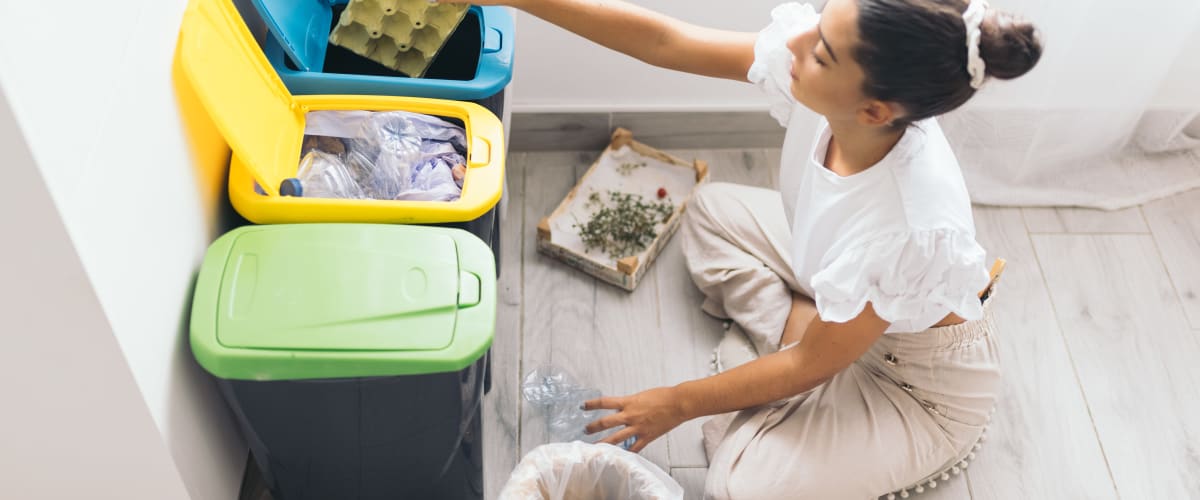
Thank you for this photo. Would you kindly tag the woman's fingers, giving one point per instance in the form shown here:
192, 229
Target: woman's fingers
620, 436
606, 403
606, 422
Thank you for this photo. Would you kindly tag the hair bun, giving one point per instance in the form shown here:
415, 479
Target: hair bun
1010, 46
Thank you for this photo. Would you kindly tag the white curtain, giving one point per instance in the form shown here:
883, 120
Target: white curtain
1110, 117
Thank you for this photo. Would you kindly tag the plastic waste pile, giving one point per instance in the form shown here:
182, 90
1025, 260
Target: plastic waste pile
393, 155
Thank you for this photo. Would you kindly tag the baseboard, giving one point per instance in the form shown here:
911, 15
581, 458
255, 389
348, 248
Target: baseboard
662, 130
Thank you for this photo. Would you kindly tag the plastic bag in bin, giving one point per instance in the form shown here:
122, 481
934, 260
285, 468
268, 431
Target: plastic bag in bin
394, 155
583, 471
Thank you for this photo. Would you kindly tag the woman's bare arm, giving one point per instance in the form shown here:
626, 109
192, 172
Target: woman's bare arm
646, 35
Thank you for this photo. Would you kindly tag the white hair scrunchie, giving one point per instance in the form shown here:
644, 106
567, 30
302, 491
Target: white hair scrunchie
973, 18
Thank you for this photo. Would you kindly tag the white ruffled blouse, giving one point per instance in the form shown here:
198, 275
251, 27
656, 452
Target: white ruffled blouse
899, 235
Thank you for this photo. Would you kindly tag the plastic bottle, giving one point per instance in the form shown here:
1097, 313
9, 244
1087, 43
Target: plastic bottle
395, 144
560, 400
322, 175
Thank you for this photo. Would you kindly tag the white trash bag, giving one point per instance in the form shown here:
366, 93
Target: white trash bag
583, 471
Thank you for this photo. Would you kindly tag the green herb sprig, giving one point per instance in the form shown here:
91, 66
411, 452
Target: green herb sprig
624, 225
628, 167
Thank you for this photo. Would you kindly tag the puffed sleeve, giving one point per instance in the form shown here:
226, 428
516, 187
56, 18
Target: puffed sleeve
913, 279
772, 67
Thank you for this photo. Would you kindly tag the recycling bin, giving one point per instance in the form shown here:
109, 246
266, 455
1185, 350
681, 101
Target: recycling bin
264, 125
354, 356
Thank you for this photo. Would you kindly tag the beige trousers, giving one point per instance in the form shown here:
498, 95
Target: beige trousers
908, 412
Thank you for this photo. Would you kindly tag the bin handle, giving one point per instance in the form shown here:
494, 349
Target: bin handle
486, 134
484, 183
493, 40
481, 152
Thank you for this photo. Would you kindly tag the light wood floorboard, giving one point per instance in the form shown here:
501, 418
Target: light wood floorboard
1083, 220
1175, 222
1135, 356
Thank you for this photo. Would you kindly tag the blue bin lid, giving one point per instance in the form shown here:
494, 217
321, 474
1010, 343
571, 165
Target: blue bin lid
301, 27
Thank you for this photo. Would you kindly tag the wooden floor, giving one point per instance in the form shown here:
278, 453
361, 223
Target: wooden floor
1099, 316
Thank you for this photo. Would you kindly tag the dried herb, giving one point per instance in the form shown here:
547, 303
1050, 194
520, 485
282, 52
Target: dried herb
624, 225
628, 167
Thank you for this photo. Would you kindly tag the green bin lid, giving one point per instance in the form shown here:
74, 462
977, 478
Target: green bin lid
317, 301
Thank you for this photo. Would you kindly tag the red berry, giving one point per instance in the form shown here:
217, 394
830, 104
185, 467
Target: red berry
662, 193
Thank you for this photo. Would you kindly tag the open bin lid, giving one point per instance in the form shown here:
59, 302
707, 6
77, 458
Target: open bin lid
264, 124
301, 27
244, 96
343, 300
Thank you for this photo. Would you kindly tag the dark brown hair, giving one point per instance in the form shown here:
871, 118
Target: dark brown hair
914, 53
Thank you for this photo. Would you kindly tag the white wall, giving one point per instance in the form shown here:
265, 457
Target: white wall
558, 71
93, 93
73, 424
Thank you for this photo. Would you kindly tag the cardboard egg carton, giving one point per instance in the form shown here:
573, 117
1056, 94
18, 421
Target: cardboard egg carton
403, 35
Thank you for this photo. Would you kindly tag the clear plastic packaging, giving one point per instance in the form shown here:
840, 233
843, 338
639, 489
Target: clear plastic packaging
394, 155
555, 395
579, 471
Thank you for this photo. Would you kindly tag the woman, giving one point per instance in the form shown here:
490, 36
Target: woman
856, 292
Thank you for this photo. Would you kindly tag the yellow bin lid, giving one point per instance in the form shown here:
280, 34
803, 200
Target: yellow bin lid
264, 124
247, 100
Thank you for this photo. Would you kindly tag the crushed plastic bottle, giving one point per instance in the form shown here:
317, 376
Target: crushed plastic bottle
390, 146
559, 399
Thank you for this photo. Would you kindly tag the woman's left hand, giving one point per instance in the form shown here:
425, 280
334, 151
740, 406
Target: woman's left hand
646, 416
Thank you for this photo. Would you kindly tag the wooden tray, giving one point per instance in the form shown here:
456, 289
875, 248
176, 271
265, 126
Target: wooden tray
557, 238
